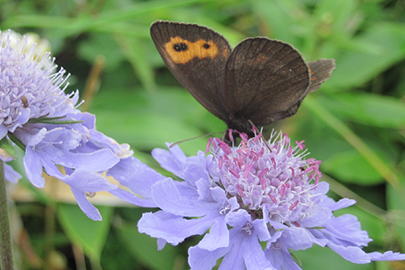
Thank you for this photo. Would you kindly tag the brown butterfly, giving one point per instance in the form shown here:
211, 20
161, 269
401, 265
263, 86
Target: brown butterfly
261, 81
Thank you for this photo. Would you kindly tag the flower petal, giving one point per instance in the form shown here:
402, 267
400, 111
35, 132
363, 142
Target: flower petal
386, 256
132, 198
348, 228
280, 257
202, 259
3, 131
172, 228
10, 174
135, 175
254, 255
171, 161
217, 237
343, 203
88, 181
168, 198
33, 168
194, 169
87, 208
316, 216
300, 239
353, 254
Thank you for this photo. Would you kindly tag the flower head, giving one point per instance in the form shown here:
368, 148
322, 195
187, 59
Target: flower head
29, 88
239, 197
37, 115
266, 176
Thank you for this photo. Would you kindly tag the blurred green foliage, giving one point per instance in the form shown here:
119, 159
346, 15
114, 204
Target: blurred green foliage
355, 123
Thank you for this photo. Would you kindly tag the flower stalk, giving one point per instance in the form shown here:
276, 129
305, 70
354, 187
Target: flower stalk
6, 253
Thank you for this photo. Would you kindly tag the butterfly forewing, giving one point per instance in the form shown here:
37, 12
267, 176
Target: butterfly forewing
196, 56
264, 79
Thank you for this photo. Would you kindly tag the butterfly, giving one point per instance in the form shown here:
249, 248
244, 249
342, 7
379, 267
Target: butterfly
259, 82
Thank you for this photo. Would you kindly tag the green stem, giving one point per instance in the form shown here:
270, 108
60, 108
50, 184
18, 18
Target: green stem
49, 234
6, 254
17, 141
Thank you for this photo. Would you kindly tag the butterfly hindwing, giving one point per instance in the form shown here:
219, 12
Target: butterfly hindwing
196, 56
264, 79
320, 71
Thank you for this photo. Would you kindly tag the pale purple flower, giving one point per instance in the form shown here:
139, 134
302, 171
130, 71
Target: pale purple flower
30, 88
10, 174
239, 197
37, 115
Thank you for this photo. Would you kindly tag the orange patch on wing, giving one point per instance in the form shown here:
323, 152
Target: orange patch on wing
312, 73
200, 49
225, 53
261, 59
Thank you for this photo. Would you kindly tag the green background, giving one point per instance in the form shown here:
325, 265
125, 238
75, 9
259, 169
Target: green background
355, 123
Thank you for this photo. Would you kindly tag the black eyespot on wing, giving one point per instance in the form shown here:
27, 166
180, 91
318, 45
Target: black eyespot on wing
206, 45
177, 47
202, 77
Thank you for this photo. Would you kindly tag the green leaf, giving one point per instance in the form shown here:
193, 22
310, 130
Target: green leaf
101, 44
367, 109
385, 46
337, 13
379, 164
147, 120
135, 50
144, 248
90, 235
149, 131
318, 257
84, 23
396, 206
351, 167
53, 121
281, 18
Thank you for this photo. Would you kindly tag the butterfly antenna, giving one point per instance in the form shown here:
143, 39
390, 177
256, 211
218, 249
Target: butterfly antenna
186, 140
254, 128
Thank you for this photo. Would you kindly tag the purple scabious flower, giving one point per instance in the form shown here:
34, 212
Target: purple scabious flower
30, 88
254, 204
37, 115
